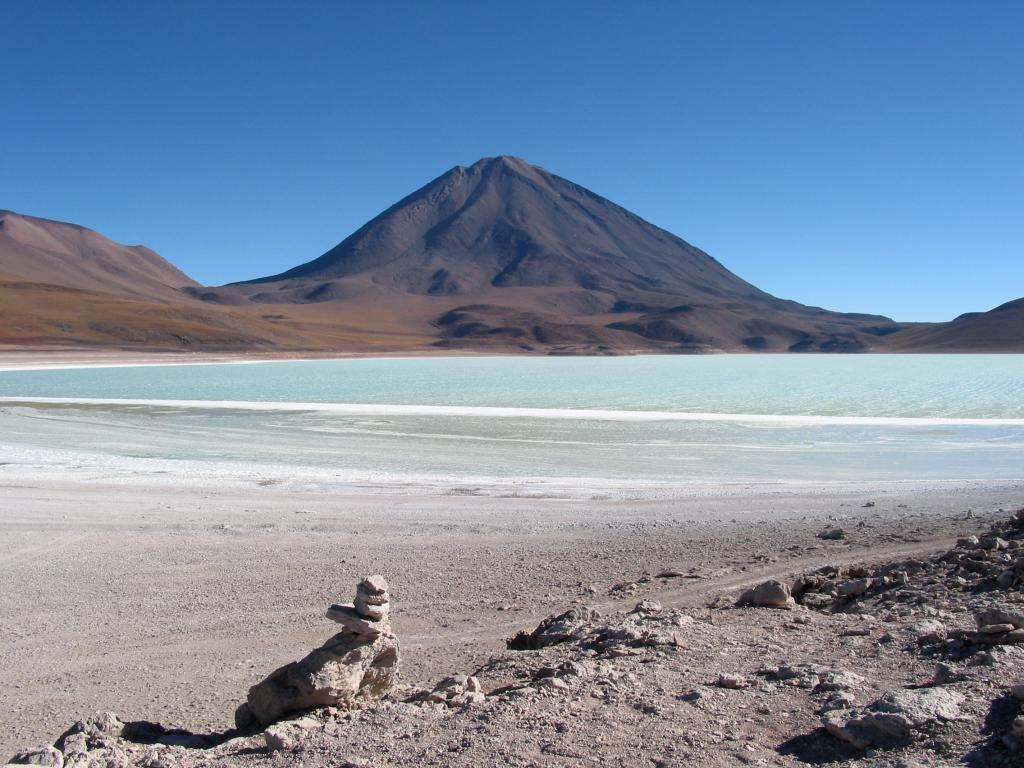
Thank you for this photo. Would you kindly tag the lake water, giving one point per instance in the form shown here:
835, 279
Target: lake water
589, 425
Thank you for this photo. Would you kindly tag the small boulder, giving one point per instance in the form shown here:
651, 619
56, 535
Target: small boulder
769, 594
648, 606
837, 701
840, 680
893, 719
994, 615
1014, 737
560, 628
854, 587
929, 632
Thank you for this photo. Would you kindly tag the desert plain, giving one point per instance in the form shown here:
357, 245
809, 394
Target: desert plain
164, 600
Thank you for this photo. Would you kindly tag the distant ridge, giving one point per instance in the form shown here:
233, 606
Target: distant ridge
998, 330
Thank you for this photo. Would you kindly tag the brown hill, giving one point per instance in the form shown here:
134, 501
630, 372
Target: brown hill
56, 253
34, 314
506, 254
64, 284
998, 330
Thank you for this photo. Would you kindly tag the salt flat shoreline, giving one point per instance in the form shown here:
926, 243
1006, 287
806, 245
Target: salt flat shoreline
13, 358
591, 414
44, 359
165, 601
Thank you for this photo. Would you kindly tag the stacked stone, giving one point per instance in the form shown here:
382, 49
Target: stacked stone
367, 616
372, 599
358, 664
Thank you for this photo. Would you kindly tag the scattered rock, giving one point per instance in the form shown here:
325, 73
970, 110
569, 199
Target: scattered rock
455, 691
647, 606
733, 682
832, 534
648, 660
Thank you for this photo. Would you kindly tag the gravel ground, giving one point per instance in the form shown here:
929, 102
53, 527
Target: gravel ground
165, 601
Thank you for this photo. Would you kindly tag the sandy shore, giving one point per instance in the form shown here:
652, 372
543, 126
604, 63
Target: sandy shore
166, 603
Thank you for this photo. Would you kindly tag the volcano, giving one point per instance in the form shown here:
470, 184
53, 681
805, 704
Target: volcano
504, 253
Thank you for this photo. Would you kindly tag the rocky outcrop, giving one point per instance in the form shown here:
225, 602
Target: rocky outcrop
560, 628
358, 664
986, 564
895, 718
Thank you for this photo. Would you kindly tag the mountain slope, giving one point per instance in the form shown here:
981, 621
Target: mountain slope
502, 223
998, 330
56, 253
41, 314
505, 254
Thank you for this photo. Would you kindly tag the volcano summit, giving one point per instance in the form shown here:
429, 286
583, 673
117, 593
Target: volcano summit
505, 254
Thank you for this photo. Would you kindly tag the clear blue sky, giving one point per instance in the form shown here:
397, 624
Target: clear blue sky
859, 156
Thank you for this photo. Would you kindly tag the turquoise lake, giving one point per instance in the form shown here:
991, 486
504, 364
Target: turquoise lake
618, 422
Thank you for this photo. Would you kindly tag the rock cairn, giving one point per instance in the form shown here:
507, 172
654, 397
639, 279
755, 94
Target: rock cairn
367, 616
357, 665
